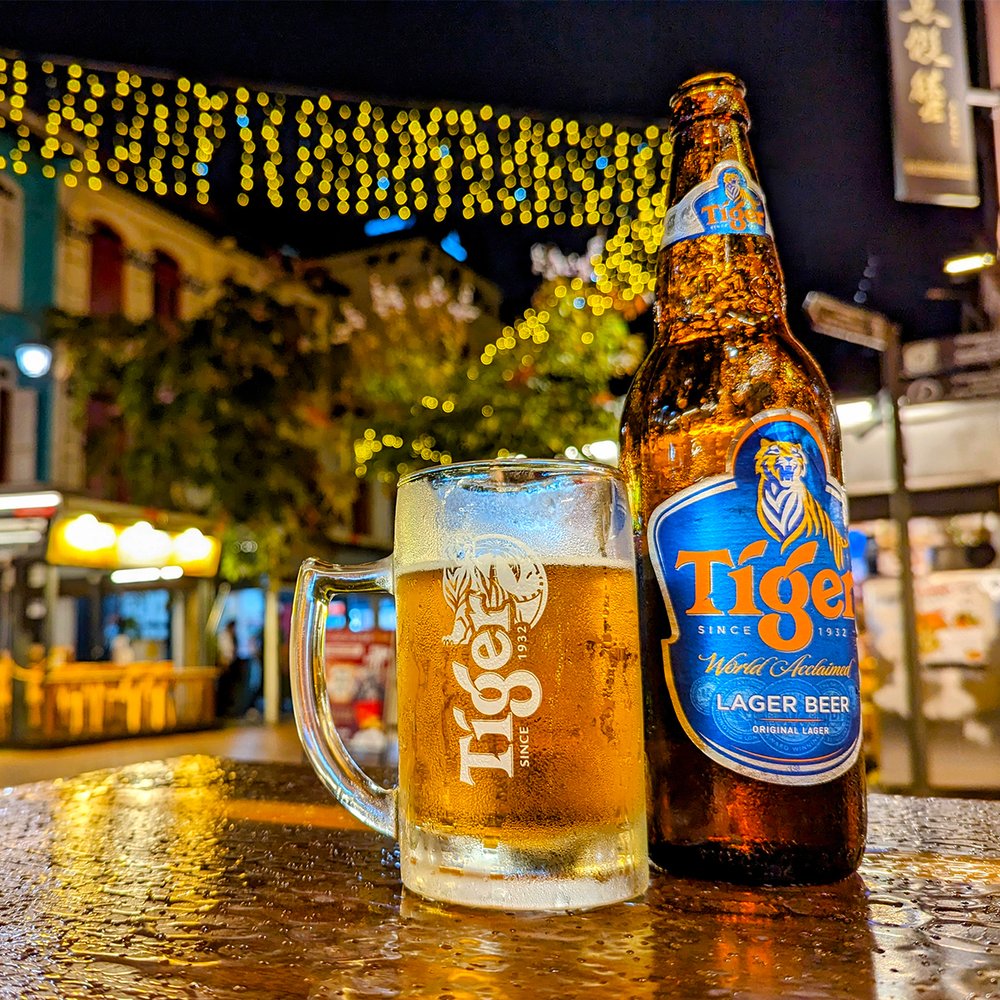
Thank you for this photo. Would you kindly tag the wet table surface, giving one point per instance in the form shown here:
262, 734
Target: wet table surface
199, 878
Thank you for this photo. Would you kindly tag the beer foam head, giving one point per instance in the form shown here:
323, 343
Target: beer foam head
556, 512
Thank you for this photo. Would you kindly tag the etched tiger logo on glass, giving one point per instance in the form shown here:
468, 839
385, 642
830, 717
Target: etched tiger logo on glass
494, 574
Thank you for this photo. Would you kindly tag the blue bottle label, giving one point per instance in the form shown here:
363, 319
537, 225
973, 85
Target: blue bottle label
754, 567
729, 202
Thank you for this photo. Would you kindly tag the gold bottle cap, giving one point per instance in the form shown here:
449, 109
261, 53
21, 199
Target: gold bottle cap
709, 95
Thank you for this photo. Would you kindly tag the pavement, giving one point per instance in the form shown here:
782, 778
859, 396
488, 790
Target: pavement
246, 741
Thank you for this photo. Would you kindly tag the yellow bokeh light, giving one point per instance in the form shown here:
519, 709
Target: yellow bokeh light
361, 157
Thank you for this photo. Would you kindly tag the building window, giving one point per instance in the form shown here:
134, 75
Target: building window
18, 429
105, 442
361, 510
166, 287
11, 245
107, 260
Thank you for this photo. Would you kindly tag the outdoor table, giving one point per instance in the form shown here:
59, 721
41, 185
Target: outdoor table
201, 877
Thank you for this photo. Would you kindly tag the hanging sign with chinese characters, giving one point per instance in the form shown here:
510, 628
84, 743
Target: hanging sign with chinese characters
933, 145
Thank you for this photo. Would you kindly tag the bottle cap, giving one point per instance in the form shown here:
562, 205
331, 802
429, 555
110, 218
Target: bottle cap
710, 95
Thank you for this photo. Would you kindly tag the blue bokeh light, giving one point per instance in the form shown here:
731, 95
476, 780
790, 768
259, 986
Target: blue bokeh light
394, 224
452, 245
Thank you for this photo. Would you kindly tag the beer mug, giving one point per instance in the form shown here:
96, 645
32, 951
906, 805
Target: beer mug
521, 765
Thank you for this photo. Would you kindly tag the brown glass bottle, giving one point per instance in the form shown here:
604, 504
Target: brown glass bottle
724, 367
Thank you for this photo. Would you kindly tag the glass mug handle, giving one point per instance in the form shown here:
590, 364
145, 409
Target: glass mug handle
317, 582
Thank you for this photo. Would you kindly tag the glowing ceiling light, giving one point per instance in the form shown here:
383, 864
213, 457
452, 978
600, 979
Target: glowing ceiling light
30, 501
142, 543
139, 575
88, 534
192, 545
856, 413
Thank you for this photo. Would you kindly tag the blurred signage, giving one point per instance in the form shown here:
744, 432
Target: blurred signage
956, 622
964, 366
843, 321
933, 145
947, 354
358, 667
974, 384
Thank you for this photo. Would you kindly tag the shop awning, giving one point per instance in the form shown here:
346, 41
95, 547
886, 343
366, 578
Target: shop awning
74, 530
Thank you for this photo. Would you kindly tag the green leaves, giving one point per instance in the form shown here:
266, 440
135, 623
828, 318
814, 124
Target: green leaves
210, 415
264, 413
446, 393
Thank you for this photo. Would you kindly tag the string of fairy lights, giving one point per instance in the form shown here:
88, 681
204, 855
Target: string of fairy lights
94, 125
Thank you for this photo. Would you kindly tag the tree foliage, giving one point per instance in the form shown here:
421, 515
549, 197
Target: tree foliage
426, 391
262, 412
227, 415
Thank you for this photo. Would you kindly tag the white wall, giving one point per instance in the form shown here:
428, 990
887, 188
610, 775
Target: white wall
947, 444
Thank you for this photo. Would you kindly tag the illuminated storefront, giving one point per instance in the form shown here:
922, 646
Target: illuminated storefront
953, 477
102, 619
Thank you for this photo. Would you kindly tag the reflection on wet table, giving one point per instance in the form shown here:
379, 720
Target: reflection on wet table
200, 877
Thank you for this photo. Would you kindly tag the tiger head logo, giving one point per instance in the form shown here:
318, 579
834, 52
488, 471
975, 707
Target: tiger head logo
732, 184
494, 576
786, 508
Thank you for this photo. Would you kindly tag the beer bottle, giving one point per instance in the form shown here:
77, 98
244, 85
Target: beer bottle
731, 451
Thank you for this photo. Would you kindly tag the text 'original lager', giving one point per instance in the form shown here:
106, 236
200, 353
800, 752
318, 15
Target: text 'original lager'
731, 454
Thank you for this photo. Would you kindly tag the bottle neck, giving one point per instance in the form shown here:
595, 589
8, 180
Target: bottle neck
718, 270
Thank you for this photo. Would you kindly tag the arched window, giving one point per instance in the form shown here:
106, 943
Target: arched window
107, 259
166, 287
11, 245
361, 510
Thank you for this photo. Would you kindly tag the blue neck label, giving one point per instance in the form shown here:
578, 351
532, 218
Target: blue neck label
729, 203
754, 567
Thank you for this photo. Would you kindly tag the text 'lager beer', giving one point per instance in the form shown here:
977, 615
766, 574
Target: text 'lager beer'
731, 454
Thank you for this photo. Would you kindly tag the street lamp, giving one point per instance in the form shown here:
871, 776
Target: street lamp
34, 360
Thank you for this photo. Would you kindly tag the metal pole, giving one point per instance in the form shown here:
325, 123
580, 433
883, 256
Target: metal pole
900, 511
51, 604
8, 576
272, 671
209, 613
178, 631
991, 17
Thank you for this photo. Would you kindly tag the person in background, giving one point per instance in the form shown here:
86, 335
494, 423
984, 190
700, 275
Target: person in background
121, 645
255, 677
225, 660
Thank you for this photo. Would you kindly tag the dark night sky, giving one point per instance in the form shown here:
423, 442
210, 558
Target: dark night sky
818, 86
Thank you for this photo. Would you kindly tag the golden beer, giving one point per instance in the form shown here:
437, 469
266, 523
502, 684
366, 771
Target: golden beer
547, 751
